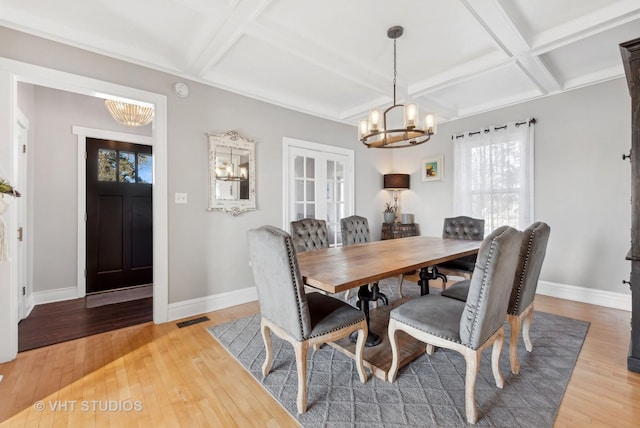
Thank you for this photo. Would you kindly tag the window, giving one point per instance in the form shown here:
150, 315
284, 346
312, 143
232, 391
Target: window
493, 175
114, 163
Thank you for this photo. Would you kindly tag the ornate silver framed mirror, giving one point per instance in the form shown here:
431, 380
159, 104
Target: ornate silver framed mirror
231, 173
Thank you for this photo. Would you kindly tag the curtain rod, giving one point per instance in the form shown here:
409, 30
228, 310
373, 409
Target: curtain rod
531, 121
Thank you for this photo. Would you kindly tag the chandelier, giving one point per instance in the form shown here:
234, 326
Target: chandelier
372, 133
227, 170
129, 114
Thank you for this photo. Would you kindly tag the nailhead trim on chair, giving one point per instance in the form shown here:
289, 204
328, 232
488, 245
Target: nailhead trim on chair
292, 268
474, 325
514, 310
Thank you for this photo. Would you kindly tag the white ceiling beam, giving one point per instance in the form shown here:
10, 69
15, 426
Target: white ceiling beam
223, 38
510, 32
595, 77
603, 19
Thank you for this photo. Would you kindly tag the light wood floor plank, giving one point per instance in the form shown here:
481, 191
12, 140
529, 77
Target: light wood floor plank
183, 377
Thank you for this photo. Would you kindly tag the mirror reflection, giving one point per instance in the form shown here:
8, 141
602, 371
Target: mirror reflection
232, 173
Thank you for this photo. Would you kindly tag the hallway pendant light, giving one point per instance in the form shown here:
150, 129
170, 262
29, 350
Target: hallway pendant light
389, 135
133, 115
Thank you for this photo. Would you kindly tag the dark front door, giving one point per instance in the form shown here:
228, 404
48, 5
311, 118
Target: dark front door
119, 215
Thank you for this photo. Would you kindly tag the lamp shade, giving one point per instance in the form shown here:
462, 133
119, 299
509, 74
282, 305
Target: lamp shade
396, 181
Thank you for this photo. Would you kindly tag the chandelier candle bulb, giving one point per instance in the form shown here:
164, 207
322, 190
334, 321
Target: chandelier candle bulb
430, 123
374, 120
411, 116
363, 127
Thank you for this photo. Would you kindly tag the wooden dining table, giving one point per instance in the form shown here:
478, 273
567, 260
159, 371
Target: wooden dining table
341, 268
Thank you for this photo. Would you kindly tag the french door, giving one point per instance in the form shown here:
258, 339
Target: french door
318, 183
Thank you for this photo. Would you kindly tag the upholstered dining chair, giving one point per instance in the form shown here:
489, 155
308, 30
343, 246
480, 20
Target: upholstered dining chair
525, 282
461, 227
466, 327
309, 234
301, 319
355, 230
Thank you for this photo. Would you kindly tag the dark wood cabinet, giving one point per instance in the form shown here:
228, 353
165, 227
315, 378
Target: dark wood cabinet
631, 60
398, 230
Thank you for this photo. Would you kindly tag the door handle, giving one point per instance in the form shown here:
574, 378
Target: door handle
20, 234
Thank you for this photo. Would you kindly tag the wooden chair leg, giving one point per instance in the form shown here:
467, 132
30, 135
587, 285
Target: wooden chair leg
362, 338
400, 286
514, 324
395, 358
472, 360
301, 349
430, 349
495, 358
266, 338
346, 294
528, 319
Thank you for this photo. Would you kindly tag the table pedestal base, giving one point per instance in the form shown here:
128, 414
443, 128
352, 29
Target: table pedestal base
378, 358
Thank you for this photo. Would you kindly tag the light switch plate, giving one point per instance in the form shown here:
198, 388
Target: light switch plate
181, 198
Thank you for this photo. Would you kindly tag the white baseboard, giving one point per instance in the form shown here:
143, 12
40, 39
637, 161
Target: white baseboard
201, 305
57, 295
607, 299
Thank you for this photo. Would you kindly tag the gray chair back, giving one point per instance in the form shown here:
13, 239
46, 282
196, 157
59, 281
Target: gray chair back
490, 286
463, 227
354, 230
532, 252
309, 234
278, 280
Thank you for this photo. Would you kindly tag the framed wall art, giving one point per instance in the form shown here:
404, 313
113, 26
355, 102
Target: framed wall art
432, 168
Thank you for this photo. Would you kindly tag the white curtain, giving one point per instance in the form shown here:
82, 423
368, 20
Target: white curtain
493, 175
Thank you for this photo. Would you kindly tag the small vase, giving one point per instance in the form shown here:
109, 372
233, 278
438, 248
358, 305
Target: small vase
389, 217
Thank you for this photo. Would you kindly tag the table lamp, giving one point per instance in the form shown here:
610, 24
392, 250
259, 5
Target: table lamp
396, 182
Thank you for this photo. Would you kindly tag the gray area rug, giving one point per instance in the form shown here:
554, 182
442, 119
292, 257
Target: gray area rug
429, 392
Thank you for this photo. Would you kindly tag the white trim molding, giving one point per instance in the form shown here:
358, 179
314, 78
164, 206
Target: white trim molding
57, 295
215, 302
592, 296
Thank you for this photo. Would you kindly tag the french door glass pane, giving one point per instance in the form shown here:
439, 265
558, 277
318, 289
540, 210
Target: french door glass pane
311, 168
298, 167
299, 190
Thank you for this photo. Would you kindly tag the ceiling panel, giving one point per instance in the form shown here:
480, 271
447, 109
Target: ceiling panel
598, 53
487, 90
253, 62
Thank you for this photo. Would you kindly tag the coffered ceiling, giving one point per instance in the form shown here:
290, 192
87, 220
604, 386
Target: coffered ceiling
332, 58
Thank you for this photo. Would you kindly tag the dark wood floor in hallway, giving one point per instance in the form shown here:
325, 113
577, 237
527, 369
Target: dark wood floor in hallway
71, 319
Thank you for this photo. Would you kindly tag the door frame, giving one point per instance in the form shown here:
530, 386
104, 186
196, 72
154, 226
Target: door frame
12, 72
83, 133
22, 262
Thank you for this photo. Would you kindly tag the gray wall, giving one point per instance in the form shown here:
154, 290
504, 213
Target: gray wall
582, 186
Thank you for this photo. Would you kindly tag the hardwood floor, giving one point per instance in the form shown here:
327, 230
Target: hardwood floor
183, 377
71, 319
